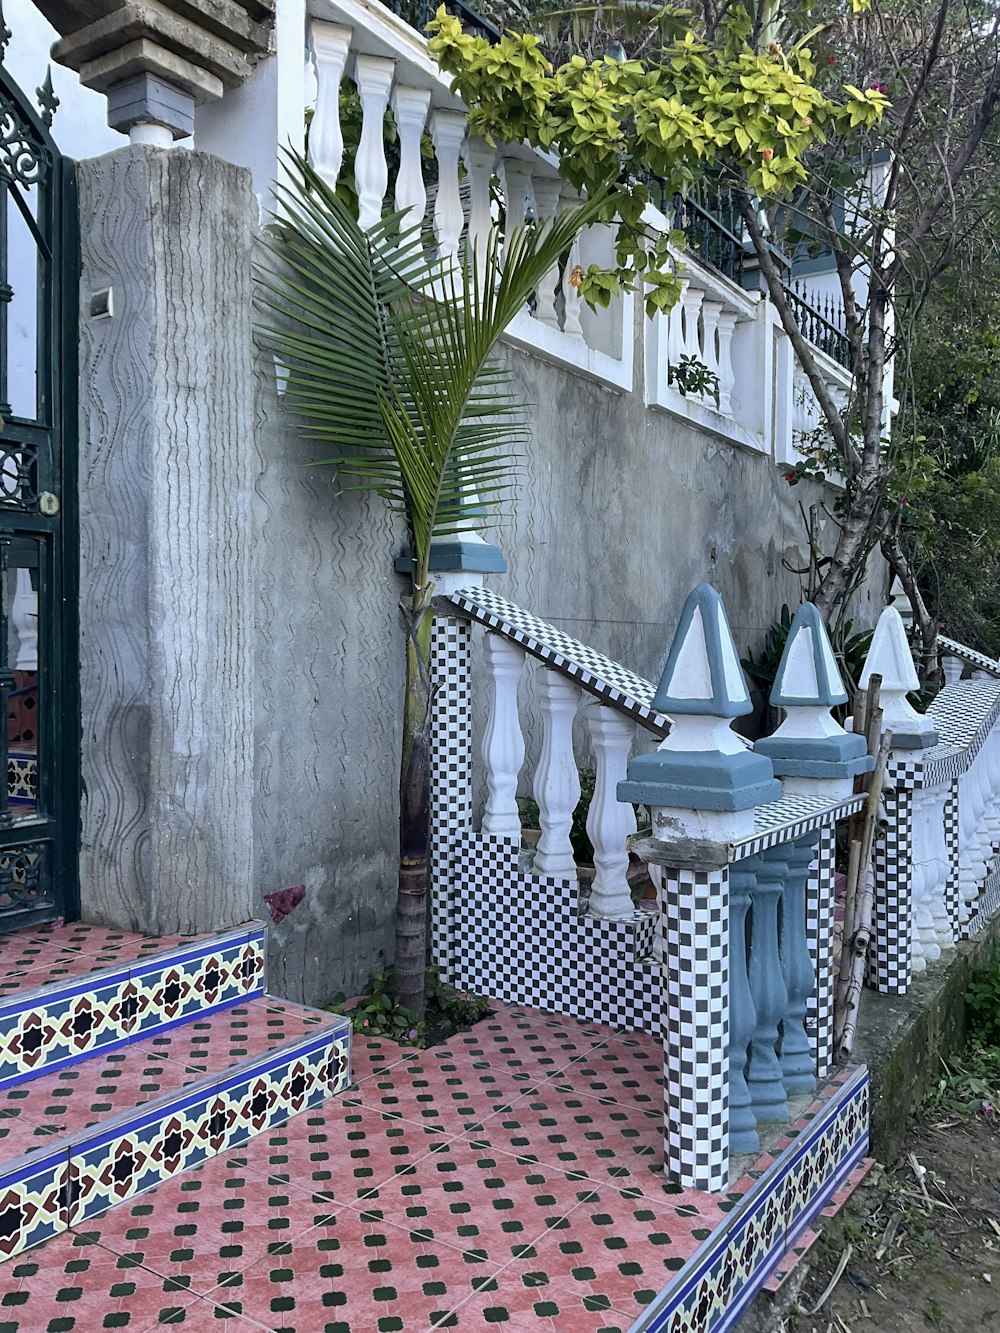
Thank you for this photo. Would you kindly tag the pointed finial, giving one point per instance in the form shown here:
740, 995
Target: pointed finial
703, 673
810, 749
890, 657
5, 34
702, 781
47, 100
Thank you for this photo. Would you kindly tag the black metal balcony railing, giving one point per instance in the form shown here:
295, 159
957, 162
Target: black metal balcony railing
712, 226
821, 321
418, 13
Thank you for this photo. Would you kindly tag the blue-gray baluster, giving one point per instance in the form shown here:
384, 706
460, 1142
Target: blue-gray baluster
767, 987
797, 1060
742, 1121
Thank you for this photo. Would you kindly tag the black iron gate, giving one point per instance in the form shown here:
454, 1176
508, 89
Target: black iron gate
39, 738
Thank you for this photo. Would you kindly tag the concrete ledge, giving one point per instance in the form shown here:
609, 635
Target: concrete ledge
902, 1037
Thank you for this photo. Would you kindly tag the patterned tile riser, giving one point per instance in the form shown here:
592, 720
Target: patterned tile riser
451, 765
93, 1014
90, 1173
713, 1290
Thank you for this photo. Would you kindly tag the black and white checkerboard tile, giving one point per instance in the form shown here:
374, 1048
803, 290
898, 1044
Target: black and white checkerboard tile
609, 681
952, 893
789, 818
986, 906
889, 958
819, 933
978, 660
520, 938
451, 767
696, 1027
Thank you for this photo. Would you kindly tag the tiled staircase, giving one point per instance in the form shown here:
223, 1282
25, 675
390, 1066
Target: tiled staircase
126, 1060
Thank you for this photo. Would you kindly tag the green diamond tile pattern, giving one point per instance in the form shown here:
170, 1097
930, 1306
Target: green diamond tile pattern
509, 1179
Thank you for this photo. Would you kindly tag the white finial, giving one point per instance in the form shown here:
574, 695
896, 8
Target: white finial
890, 657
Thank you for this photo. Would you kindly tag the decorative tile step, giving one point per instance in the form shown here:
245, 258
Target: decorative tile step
82, 992
202, 1089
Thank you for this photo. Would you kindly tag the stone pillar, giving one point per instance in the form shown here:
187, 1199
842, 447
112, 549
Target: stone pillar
702, 785
166, 577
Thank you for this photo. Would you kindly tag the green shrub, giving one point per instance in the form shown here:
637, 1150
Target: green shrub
982, 1004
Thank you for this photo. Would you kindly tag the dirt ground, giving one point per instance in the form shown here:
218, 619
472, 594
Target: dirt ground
921, 1239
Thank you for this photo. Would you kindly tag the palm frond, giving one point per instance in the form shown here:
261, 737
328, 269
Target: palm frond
389, 351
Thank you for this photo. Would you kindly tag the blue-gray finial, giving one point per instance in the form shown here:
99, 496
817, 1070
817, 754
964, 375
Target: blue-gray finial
703, 673
808, 672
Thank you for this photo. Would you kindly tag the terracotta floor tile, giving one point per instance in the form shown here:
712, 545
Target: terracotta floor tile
73, 1287
339, 1153
353, 1274
624, 1069
487, 1204
213, 1044
450, 1097
198, 1315
509, 1306
373, 1055
523, 1041
30, 952
581, 1134
206, 1225
93, 1090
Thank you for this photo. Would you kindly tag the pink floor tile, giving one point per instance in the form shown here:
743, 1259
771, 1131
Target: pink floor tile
338, 1153
373, 1055
484, 1203
524, 1042
349, 1273
82, 1288
509, 1306
624, 1069
452, 1097
206, 1225
213, 1044
581, 1134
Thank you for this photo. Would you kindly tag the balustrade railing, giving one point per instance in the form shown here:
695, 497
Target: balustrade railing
821, 320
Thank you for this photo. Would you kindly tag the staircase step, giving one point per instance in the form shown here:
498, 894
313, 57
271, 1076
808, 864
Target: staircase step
188, 1093
79, 992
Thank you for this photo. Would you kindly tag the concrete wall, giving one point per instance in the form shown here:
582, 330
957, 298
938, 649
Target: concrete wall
241, 649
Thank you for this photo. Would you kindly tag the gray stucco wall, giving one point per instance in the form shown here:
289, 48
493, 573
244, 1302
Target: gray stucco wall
241, 643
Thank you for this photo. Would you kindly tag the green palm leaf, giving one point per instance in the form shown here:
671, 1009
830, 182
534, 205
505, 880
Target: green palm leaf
388, 351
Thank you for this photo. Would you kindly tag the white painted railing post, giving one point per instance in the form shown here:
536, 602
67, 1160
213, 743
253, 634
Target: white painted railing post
331, 45
727, 377
448, 135
557, 781
610, 821
503, 740
711, 313
373, 76
546, 191
479, 160
409, 109
952, 668
572, 301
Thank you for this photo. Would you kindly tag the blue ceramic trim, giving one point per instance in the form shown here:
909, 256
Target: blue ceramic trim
200, 950
700, 780
706, 600
914, 740
37, 1163
656, 1318
451, 556
830, 692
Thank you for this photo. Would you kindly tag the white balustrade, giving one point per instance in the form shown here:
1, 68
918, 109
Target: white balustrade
373, 76
24, 618
610, 821
479, 159
546, 192
330, 44
409, 110
572, 301
448, 136
503, 740
557, 780
952, 668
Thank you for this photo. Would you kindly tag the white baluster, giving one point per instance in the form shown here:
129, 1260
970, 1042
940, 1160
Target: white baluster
952, 668
610, 821
479, 159
546, 191
373, 76
572, 301
690, 308
516, 177
557, 782
409, 109
503, 741
710, 314
24, 617
448, 135
330, 46
727, 377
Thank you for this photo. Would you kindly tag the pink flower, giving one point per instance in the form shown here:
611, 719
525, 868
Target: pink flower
904, 500
878, 88
831, 60
791, 478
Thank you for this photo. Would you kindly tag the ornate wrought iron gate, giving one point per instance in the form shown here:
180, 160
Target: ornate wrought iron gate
39, 688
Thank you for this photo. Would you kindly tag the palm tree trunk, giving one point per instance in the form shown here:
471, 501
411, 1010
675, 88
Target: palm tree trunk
414, 805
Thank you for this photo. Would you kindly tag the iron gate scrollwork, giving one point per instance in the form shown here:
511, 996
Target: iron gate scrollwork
39, 746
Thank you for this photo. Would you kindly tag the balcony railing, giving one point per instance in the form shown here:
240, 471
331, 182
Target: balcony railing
821, 321
418, 13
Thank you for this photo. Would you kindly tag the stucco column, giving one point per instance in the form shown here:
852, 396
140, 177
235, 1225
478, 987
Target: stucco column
166, 577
